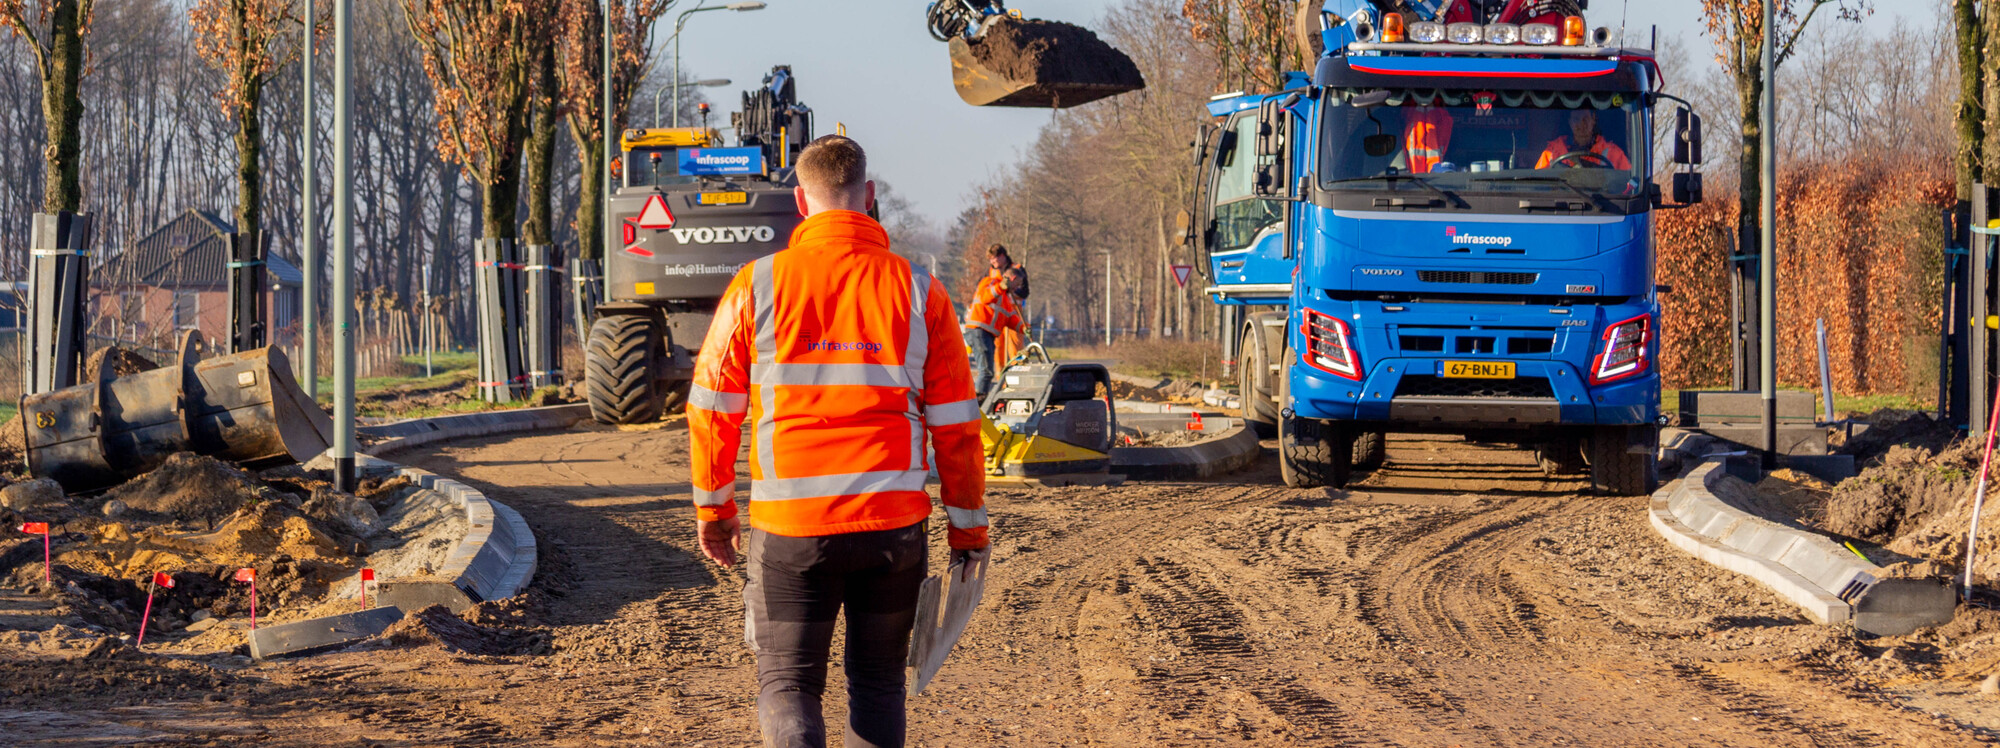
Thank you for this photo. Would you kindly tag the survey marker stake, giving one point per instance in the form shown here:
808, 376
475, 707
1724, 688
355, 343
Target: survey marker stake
367, 575
160, 579
31, 528
249, 576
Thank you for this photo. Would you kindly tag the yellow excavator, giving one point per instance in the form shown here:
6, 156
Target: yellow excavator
999, 58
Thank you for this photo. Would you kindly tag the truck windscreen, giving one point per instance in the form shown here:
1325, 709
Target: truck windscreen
1502, 143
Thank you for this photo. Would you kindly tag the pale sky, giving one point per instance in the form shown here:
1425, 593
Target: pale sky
871, 65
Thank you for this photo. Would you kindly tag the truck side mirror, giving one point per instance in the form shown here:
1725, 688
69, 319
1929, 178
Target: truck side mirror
1183, 227
1687, 187
1687, 136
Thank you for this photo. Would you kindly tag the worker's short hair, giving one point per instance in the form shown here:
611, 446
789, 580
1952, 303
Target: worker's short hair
998, 250
833, 164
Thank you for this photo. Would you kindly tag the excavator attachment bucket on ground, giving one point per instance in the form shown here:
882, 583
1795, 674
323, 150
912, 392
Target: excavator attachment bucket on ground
1031, 63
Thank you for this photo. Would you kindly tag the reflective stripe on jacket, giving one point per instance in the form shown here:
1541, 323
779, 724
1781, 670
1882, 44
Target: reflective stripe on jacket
992, 307
842, 356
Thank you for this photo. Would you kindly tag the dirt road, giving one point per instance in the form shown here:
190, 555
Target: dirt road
1455, 598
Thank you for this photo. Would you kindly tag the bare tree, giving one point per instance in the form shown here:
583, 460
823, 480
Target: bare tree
247, 40
478, 54
54, 30
580, 70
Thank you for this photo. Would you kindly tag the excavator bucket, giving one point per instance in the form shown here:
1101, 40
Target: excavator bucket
1033, 63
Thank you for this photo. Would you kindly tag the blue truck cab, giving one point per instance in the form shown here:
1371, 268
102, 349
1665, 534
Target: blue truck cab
1445, 228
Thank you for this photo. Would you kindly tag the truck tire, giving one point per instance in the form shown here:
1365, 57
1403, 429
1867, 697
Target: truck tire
1371, 449
1254, 384
1313, 453
1617, 471
618, 369
1560, 458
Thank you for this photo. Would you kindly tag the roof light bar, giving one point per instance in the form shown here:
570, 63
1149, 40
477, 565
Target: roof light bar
1464, 33
1540, 34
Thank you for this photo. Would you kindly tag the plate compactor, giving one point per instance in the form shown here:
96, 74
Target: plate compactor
1050, 423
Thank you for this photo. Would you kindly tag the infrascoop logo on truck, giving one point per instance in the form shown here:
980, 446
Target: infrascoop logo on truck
724, 234
1458, 238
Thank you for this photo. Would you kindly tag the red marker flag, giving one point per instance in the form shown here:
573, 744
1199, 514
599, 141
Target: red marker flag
367, 575
42, 529
160, 579
249, 576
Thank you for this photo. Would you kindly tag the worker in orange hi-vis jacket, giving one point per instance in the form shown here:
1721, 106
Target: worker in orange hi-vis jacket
1012, 341
843, 356
991, 313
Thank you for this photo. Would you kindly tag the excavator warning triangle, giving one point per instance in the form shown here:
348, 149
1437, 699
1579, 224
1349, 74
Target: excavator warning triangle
656, 215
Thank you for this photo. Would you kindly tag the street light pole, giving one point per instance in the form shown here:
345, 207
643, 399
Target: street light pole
609, 137
1767, 260
343, 248
308, 252
680, 22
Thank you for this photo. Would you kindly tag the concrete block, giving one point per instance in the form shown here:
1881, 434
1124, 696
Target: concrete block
1899, 607
421, 594
1792, 439
321, 634
1724, 408
1829, 468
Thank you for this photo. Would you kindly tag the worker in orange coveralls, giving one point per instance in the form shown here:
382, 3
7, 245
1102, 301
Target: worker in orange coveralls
843, 357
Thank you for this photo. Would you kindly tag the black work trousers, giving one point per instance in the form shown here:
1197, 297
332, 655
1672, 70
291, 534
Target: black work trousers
797, 586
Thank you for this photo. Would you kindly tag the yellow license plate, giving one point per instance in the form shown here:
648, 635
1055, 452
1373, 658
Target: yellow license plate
723, 198
1479, 370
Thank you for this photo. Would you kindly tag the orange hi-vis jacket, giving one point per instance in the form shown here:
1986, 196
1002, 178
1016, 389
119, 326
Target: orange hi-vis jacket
993, 308
1559, 147
1428, 135
842, 356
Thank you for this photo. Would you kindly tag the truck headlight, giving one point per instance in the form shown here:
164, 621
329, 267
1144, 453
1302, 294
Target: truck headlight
1503, 33
1426, 32
1540, 34
1465, 33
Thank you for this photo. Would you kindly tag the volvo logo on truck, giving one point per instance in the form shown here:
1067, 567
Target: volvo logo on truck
723, 234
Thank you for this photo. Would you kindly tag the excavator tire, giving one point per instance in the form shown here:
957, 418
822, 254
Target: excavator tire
618, 372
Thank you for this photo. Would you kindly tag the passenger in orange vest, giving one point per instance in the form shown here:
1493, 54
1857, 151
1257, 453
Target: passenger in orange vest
843, 356
1425, 137
992, 311
1592, 150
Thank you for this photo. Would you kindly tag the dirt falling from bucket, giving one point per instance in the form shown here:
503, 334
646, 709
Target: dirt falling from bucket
1052, 51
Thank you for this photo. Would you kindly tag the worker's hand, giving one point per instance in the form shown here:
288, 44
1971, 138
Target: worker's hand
966, 559
721, 539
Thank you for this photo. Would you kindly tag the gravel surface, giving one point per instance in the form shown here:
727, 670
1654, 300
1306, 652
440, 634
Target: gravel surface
1455, 598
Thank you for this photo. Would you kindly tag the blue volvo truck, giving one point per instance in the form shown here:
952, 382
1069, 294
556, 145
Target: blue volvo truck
1446, 227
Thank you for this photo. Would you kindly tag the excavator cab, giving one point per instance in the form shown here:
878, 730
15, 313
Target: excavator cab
999, 58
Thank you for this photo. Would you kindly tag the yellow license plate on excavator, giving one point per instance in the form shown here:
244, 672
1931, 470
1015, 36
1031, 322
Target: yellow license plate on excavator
1478, 370
723, 198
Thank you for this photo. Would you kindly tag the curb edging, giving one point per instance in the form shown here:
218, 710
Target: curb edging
1233, 451
495, 559
1830, 583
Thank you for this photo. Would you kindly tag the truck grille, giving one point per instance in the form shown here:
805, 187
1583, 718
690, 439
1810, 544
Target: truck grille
1425, 385
1476, 276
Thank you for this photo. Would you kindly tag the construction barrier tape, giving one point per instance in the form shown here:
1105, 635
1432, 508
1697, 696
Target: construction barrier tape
1987, 230
501, 265
244, 263
61, 252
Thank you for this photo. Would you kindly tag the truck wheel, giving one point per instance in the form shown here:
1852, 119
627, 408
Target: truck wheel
1371, 449
1616, 471
618, 370
1560, 458
674, 396
1253, 385
1313, 453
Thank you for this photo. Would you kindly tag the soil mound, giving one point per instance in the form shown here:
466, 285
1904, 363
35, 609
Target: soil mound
124, 362
193, 487
1052, 51
437, 626
1905, 495
1896, 428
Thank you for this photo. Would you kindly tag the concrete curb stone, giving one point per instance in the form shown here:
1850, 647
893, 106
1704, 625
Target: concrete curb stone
1830, 583
495, 559
1234, 450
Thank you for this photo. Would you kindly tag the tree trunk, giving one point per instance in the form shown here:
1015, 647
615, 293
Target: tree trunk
1989, 152
590, 201
541, 145
499, 202
1971, 68
1750, 96
62, 108
249, 150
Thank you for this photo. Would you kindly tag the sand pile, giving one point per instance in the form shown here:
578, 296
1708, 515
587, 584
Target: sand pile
437, 626
1053, 51
194, 488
